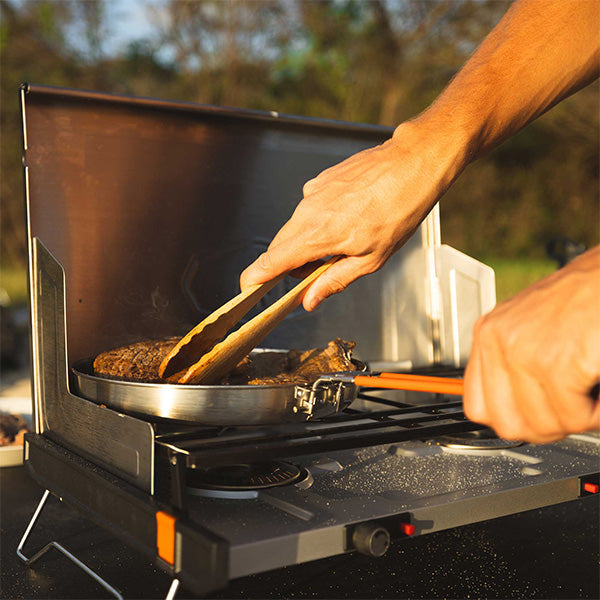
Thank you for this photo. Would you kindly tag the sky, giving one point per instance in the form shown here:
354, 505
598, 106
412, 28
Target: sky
129, 21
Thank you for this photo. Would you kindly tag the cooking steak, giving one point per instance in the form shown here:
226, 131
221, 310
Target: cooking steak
307, 367
136, 362
140, 361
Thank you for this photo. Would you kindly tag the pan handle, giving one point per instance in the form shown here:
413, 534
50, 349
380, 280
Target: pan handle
415, 383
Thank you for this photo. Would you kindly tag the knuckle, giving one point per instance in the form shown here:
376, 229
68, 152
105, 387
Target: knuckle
335, 286
265, 262
485, 327
478, 328
372, 265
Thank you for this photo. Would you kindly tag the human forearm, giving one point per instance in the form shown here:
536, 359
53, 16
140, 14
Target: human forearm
539, 53
366, 207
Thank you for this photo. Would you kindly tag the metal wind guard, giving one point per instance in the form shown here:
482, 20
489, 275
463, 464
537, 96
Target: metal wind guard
122, 444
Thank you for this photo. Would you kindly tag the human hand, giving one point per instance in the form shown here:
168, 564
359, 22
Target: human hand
362, 209
536, 357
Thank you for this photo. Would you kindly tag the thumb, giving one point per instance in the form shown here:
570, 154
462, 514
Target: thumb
336, 279
266, 267
279, 259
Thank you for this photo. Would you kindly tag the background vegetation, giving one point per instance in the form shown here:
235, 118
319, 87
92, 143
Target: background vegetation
376, 61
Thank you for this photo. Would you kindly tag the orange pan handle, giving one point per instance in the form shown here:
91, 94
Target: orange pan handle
423, 378
414, 383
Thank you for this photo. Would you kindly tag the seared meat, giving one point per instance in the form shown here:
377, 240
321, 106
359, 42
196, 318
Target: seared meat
140, 361
307, 367
136, 362
259, 365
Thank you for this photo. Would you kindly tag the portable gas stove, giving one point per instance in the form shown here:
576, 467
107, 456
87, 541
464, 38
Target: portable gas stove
141, 213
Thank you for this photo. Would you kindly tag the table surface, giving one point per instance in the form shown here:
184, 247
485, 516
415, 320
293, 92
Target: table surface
547, 553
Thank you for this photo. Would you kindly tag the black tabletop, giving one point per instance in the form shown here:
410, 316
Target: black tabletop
548, 553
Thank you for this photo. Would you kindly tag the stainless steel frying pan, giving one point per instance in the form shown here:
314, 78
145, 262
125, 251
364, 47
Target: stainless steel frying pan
216, 404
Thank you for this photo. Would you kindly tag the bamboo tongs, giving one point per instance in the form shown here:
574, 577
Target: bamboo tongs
201, 358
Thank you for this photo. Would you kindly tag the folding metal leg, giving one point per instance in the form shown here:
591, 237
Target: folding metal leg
30, 560
172, 590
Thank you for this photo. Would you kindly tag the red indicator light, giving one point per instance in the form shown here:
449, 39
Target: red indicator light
407, 528
591, 488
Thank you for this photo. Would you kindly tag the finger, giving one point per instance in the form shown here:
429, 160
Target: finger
275, 261
498, 394
261, 270
573, 408
336, 279
541, 421
504, 416
588, 417
551, 404
473, 396
306, 270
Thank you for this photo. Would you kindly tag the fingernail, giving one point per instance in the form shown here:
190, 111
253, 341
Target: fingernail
315, 302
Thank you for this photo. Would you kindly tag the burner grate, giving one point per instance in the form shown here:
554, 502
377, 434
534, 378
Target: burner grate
354, 428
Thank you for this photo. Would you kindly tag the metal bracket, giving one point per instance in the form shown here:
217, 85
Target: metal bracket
30, 560
334, 389
327, 391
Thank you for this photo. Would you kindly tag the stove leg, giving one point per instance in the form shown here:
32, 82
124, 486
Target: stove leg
29, 561
172, 590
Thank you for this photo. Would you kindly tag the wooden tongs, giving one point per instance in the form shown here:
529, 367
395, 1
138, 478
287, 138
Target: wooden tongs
204, 357
200, 357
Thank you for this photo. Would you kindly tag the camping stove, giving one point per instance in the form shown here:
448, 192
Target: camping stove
141, 214
205, 525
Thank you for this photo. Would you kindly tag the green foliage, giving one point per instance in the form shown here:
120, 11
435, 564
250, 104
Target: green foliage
540, 184
13, 281
380, 61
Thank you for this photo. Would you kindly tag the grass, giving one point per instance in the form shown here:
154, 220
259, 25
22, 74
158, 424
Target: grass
14, 282
515, 274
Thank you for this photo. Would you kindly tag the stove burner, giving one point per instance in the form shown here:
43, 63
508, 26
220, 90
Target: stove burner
483, 439
243, 480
